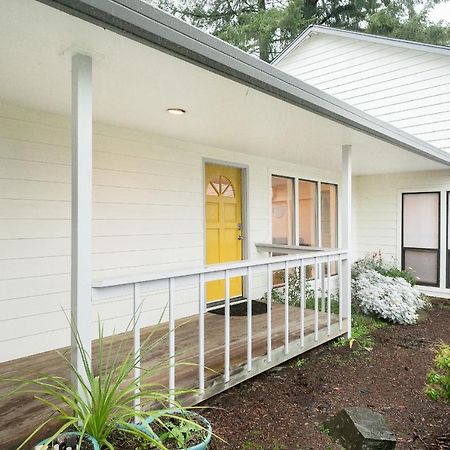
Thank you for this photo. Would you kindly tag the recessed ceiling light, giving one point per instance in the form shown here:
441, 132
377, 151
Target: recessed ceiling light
176, 111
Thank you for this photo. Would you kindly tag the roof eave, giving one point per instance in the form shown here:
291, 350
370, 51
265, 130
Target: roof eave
384, 40
294, 44
151, 26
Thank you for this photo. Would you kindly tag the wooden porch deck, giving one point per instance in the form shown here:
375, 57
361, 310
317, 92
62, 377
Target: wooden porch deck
19, 416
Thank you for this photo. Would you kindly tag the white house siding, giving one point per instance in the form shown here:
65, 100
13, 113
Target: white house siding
377, 212
407, 88
147, 217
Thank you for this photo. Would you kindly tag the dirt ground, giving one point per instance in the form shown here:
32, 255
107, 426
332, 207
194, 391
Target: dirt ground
284, 408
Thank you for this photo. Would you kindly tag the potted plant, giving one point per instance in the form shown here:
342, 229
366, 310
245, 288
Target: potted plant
181, 429
102, 416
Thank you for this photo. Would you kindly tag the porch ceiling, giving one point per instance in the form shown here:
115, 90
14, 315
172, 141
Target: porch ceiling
134, 85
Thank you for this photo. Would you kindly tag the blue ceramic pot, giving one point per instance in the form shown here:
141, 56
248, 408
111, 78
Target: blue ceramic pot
203, 445
75, 433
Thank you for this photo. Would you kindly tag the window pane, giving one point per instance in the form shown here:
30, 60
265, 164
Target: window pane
282, 210
421, 220
328, 210
424, 265
307, 212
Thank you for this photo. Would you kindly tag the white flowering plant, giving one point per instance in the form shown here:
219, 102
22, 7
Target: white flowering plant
387, 268
392, 298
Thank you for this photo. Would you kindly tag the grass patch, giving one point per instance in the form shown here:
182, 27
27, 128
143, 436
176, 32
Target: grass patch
325, 430
362, 340
299, 363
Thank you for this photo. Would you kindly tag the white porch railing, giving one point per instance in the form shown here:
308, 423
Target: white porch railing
139, 284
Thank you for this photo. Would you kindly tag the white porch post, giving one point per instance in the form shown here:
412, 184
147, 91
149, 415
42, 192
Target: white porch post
346, 221
81, 209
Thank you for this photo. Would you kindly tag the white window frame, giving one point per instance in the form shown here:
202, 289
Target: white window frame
296, 227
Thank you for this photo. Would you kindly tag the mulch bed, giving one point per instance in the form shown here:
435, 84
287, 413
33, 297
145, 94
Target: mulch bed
284, 408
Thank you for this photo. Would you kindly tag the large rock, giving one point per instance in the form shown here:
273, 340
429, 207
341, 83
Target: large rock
361, 429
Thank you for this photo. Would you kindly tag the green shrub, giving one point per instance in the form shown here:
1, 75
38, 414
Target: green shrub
387, 269
295, 293
395, 272
438, 380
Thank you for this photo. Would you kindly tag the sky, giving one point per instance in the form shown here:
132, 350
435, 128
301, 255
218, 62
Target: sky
441, 12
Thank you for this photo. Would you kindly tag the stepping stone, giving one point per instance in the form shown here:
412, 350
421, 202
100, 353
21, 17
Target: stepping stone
360, 428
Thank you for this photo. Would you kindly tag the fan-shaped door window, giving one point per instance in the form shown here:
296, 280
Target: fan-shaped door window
220, 186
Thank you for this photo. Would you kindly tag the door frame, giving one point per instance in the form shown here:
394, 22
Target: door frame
245, 229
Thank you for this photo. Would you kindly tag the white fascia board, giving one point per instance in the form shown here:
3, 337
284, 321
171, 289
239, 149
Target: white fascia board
412, 45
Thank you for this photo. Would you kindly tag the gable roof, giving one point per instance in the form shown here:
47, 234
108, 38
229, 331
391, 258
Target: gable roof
150, 26
394, 42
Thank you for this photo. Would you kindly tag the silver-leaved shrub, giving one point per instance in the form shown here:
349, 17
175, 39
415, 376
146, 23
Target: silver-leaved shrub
391, 298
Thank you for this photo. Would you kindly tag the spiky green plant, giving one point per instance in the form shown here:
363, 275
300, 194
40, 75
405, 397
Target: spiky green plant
107, 395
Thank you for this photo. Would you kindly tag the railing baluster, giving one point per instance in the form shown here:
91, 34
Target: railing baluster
329, 295
286, 308
299, 262
302, 302
316, 300
137, 343
249, 319
322, 285
227, 327
171, 340
340, 292
269, 312
201, 333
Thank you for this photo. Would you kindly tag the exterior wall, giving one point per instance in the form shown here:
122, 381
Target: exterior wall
377, 213
407, 88
147, 217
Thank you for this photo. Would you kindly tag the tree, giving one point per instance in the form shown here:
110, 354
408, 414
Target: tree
404, 20
265, 27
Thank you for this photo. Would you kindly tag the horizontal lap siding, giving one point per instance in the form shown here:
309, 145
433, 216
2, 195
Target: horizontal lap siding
377, 209
408, 88
147, 217
147, 213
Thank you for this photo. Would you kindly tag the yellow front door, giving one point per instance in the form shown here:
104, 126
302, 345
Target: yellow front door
223, 206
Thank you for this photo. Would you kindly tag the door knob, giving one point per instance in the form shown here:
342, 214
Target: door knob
240, 237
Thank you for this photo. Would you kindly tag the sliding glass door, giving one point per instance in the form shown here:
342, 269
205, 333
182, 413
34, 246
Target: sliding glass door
421, 236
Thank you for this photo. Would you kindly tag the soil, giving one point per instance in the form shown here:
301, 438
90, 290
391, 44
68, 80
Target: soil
285, 407
125, 441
